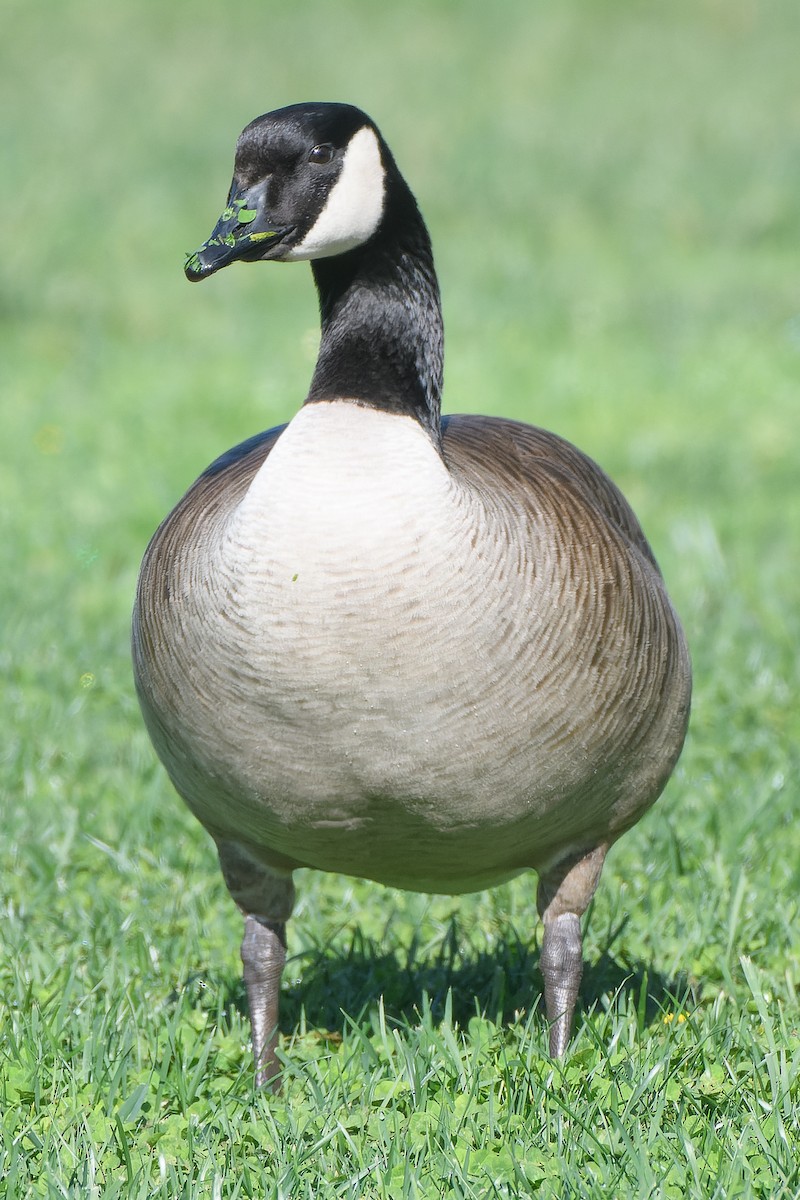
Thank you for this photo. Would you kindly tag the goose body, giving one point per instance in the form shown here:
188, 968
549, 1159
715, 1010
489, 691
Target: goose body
429, 653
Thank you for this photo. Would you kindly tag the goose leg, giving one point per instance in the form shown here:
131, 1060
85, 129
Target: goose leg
263, 956
266, 898
563, 896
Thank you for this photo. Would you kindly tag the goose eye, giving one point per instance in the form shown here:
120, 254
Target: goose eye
321, 154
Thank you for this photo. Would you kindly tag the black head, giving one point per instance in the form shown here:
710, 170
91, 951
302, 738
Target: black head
309, 182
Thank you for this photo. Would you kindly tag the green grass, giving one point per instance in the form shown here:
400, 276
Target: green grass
612, 190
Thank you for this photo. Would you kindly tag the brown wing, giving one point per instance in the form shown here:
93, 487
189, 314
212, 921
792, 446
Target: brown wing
217, 491
500, 449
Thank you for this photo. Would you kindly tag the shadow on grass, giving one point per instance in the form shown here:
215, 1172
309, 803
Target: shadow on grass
498, 984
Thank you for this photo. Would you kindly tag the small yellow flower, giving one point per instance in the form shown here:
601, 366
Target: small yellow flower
668, 1018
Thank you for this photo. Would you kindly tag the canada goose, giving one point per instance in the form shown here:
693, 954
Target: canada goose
431, 653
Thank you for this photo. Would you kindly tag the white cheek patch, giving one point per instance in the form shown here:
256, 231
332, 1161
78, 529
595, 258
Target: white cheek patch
355, 204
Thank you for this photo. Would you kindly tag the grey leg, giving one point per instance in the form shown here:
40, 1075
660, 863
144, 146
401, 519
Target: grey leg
263, 956
561, 962
266, 898
564, 894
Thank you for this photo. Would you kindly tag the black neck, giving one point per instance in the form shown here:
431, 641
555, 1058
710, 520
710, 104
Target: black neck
382, 339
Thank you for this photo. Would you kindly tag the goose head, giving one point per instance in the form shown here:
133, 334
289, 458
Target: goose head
318, 182
309, 182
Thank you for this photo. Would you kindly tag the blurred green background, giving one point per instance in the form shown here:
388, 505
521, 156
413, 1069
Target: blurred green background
612, 191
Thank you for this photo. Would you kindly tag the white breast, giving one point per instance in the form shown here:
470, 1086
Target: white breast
344, 563
347, 492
